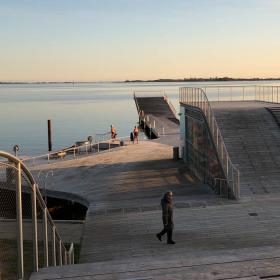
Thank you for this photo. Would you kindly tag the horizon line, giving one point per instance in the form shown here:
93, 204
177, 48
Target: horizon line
191, 79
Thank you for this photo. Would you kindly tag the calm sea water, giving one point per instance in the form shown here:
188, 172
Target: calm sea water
76, 111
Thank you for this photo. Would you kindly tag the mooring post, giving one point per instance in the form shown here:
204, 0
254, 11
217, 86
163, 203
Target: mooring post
50, 135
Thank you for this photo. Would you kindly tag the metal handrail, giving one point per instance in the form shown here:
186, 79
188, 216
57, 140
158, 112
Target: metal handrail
148, 119
64, 256
152, 123
174, 111
75, 150
196, 97
246, 93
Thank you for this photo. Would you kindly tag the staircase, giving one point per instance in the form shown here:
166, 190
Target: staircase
252, 138
275, 111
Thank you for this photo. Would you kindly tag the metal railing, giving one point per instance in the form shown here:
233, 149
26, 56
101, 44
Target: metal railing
171, 106
243, 93
75, 151
196, 97
22, 203
149, 121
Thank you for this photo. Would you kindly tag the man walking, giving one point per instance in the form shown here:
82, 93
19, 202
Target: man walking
167, 217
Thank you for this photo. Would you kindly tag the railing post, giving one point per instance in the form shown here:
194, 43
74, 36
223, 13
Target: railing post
227, 165
217, 137
222, 154
60, 253
232, 176
54, 245
34, 227
74, 153
65, 257
19, 224
45, 233
255, 92
238, 185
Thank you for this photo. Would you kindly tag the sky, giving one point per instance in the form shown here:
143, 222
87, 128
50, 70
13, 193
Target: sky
110, 40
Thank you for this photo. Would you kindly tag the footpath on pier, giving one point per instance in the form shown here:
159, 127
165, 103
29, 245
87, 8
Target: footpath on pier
216, 238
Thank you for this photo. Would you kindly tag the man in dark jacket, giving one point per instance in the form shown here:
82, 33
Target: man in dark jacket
167, 217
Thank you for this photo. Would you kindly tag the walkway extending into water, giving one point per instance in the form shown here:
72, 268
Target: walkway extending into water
158, 118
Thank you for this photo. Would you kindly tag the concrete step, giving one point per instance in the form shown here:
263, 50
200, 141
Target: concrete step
252, 138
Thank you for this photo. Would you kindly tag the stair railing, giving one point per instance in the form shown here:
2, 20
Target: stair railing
196, 97
19, 180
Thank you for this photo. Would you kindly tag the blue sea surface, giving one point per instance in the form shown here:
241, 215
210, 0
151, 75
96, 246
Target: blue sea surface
76, 110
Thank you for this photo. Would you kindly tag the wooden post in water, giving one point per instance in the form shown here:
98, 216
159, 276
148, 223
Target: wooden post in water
50, 135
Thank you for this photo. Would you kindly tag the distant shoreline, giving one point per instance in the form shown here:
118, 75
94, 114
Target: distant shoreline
223, 79
193, 80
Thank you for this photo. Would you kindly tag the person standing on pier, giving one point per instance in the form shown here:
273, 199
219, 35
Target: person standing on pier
113, 132
167, 217
135, 134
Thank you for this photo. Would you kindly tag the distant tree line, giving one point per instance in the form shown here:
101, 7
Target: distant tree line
216, 79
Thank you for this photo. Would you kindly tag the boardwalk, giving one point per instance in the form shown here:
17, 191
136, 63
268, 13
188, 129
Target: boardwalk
158, 117
216, 239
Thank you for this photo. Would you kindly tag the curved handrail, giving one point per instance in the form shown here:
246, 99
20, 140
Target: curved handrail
17, 160
196, 97
63, 256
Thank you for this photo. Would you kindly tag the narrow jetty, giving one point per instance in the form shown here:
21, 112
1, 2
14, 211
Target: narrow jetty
157, 116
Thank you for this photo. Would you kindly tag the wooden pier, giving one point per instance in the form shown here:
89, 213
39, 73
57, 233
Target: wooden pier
157, 116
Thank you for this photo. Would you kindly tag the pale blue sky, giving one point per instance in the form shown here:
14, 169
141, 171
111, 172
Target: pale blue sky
93, 40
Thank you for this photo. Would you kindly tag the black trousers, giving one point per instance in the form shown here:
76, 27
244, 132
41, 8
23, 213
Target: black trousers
169, 232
